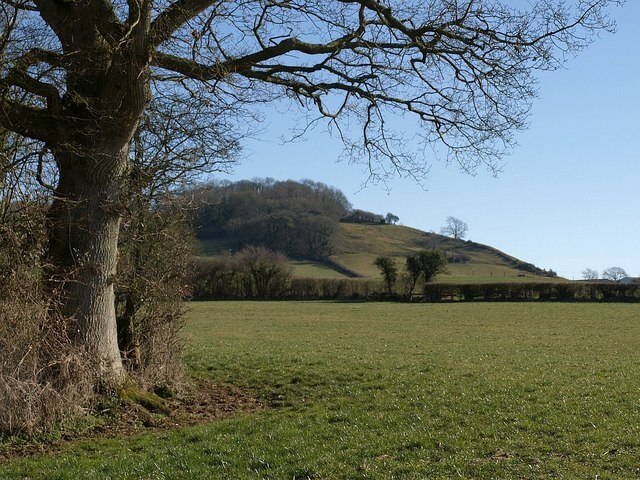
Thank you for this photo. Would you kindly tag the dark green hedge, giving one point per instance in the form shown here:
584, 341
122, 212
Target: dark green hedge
551, 292
213, 284
338, 289
224, 284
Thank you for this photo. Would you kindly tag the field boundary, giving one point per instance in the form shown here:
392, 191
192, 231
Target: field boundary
374, 291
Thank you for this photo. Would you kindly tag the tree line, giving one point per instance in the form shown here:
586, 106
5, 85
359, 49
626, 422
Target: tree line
258, 273
299, 219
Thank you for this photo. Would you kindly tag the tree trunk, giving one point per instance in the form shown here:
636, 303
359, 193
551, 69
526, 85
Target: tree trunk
84, 223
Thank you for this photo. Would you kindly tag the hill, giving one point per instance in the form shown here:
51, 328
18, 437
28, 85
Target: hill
357, 245
299, 219
315, 225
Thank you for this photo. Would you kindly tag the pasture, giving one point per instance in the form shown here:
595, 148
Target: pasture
404, 391
313, 269
477, 272
358, 245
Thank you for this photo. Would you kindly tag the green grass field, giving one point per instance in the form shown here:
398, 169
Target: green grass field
404, 391
311, 269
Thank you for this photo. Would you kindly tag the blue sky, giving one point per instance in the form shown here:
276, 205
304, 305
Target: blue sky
567, 198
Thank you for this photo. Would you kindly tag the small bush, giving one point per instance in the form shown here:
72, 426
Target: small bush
265, 272
151, 286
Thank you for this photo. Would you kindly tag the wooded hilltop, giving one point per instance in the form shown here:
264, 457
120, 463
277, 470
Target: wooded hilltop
314, 221
299, 219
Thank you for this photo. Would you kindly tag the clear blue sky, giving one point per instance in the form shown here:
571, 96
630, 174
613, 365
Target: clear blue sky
568, 195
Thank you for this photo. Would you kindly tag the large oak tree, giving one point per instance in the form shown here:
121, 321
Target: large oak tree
78, 76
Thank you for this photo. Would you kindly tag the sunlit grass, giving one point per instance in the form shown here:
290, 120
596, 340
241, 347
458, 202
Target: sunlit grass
382, 390
311, 269
363, 264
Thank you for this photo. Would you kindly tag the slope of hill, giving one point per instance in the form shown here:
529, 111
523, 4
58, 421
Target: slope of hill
315, 225
299, 219
357, 245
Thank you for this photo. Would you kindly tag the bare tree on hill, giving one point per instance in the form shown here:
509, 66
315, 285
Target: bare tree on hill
615, 274
77, 77
455, 228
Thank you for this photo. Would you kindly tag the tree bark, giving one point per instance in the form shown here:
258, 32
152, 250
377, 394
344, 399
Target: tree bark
84, 223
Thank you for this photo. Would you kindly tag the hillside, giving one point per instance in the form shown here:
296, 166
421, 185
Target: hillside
315, 225
299, 219
357, 245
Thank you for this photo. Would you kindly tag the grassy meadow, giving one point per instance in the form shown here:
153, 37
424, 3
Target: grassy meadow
311, 269
395, 391
363, 264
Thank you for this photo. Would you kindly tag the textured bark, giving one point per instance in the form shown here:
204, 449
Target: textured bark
106, 97
84, 224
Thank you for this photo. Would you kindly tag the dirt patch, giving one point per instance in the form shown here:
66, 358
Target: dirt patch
204, 402
210, 402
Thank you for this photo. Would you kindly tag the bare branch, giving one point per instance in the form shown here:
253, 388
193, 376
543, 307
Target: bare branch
26, 6
19, 77
176, 15
464, 70
29, 122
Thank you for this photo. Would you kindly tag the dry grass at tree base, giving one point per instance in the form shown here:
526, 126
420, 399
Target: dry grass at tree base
43, 377
203, 401
46, 378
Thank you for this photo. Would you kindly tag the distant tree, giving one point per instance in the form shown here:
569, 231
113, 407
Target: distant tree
425, 265
362, 216
454, 227
413, 272
590, 274
391, 218
614, 274
432, 263
388, 270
